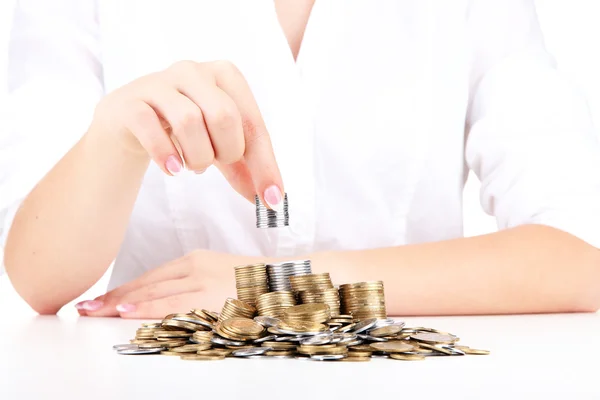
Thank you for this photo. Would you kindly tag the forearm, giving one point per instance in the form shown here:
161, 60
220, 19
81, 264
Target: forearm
529, 269
70, 227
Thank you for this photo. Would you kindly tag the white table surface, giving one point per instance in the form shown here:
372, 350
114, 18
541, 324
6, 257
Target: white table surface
537, 356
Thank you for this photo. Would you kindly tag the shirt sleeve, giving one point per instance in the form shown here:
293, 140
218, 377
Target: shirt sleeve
54, 82
530, 138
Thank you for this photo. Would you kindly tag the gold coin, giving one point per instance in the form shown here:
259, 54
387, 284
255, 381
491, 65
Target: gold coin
393, 346
385, 331
155, 345
275, 353
476, 352
407, 357
361, 347
351, 358
439, 349
169, 353
192, 348
356, 353
201, 357
215, 352
280, 345
243, 326
433, 338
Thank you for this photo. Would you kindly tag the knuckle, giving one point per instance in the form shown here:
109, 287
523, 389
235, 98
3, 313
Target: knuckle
189, 118
226, 119
202, 162
251, 130
183, 67
139, 113
225, 67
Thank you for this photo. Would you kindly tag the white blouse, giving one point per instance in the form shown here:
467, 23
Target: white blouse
374, 127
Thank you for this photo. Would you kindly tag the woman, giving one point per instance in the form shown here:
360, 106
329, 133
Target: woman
366, 114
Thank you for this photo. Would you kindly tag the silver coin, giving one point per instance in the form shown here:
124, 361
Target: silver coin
326, 357
364, 325
193, 321
336, 338
455, 351
348, 337
267, 322
252, 351
285, 339
226, 342
286, 332
317, 339
198, 341
140, 351
267, 218
354, 342
385, 322
125, 346
372, 338
265, 338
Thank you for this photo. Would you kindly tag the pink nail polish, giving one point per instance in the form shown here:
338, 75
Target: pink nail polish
173, 165
79, 305
126, 307
92, 305
273, 198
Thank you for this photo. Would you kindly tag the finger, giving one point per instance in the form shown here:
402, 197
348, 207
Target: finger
221, 116
156, 309
258, 154
145, 125
155, 291
187, 125
239, 178
176, 269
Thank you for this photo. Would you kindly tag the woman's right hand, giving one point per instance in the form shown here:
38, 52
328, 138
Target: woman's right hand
209, 112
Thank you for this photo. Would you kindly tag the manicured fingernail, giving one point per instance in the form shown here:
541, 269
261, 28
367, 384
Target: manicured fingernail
79, 305
92, 305
274, 199
126, 307
173, 165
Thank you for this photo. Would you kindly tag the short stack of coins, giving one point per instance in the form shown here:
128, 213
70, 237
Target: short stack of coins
317, 313
279, 273
273, 304
236, 308
363, 300
269, 218
251, 282
331, 297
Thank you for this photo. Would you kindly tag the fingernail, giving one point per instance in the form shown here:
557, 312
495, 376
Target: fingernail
200, 172
126, 307
79, 305
274, 199
173, 165
92, 305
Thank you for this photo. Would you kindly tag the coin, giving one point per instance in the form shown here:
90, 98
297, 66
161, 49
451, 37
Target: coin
432, 338
202, 357
139, 351
267, 322
252, 351
274, 304
125, 347
356, 359
307, 312
192, 348
364, 325
326, 357
406, 357
393, 346
475, 351
385, 330
236, 308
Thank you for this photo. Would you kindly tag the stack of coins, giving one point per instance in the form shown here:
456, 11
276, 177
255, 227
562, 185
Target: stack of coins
239, 329
311, 282
268, 218
331, 297
280, 273
307, 313
273, 304
251, 282
236, 308
363, 300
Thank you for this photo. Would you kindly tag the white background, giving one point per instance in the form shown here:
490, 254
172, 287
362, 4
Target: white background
572, 34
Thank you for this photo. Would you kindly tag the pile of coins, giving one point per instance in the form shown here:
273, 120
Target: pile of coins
363, 300
200, 335
279, 273
251, 282
278, 327
268, 218
273, 304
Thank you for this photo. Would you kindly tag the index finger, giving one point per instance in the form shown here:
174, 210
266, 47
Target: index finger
258, 155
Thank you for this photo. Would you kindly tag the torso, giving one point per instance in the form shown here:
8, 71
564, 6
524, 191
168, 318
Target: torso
366, 117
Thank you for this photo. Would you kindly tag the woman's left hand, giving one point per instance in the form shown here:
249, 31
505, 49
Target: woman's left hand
201, 279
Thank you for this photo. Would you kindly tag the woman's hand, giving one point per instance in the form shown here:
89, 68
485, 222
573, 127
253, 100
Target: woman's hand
196, 115
201, 279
